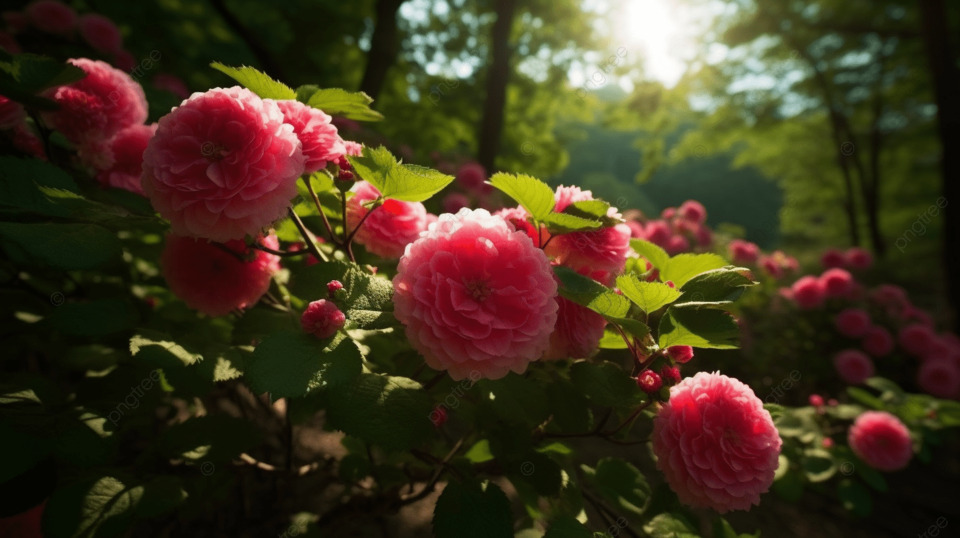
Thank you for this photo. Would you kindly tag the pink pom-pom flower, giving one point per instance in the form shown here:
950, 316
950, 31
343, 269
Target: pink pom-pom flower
322, 319
808, 292
52, 17
215, 279
126, 153
743, 251
837, 283
832, 258
940, 378
858, 258
877, 342
577, 333
715, 443
881, 441
852, 322
388, 229
222, 165
853, 365
97, 106
692, 211
916, 339
475, 295
320, 142
100, 33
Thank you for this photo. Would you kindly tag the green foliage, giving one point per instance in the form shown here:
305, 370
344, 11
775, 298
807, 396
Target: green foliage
698, 328
339, 102
649, 296
532, 194
472, 509
23, 76
388, 411
290, 364
407, 182
256, 81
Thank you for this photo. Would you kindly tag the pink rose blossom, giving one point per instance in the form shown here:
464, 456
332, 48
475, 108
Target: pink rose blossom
649, 381
681, 354
657, 232
770, 266
940, 378
389, 228
832, 258
171, 83
670, 375
454, 202
692, 211
858, 258
881, 441
319, 139
853, 365
222, 165
519, 218
604, 249
890, 296
52, 17
97, 106
852, 322
837, 282
126, 153
668, 213
743, 252
471, 176
677, 244
808, 292
577, 332
12, 113
475, 295
916, 339
636, 229
715, 443
214, 281
703, 236
912, 313
816, 400
29, 143
100, 33
877, 342
322, 319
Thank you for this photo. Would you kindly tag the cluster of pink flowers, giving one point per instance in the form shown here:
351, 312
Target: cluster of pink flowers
58, 19
810, 292
678, 229
853, 258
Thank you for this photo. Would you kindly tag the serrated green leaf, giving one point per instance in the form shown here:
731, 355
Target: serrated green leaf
213, 438
65, 246
605, 384
366, 300
256, 81
339, 102
698, 328
562, 223
407, 182
623, 484
589, 293
612, 339
649, 296
23, 76
715, 287
684, 267
472, 509
288, 364
656, 255
516, 398
479, 452
144, 340
534, 195
672, 525
392, 412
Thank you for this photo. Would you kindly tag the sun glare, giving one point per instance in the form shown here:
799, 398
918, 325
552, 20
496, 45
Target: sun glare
659, 31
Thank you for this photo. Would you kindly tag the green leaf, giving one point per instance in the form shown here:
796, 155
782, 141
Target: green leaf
672, 525
612, 339
407, 182
288, 364
716, 287
256, 81
872, 477
472, 509
534, 195
698, 328
392, 412
479, 452
145, 340
94, 318
537, 469
64, 246
23, 76
818, 465
21, 181
623, 484
855, 497
213, 438
108, 506
517, 398
588, 292
567, 527
562, 223
339, 102
683, 267
588, 209
865, 397
605, 384
656, 255
649, 296
366, 300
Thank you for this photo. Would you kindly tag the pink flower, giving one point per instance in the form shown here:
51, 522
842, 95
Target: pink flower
668, 213
124, 61
577, 332
852, 322
657, 232
97, 106
808, 292
703, 236
940, 378
916, 339
318, 136
12, 113
171, 83
454, 202
881, 441
832, 258
816, 400
649, 381
670, 375
518, 217
475, 295
389, 228
52, 17
322, 319
853, 365
743, 252
636, 229
126, 152
858, 258
214, 281
770, 266
837, 282
29, 143
100, 33
677, 244
471, 176
604, 249
877, 342
715, 443
681, 354
912, 313
692, 211
222, 165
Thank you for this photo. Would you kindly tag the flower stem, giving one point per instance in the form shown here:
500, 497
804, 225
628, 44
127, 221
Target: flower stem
307, 237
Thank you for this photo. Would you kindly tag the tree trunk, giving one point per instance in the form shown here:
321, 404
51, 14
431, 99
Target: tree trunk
946, 86
498, 75
383, 47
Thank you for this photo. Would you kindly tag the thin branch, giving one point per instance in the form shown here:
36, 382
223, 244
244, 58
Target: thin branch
307, 237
